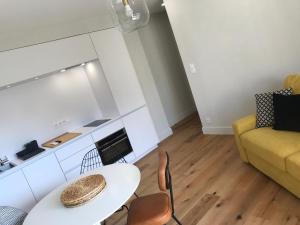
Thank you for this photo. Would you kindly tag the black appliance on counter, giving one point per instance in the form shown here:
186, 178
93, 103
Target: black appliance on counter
31, 149
97, 123
114, 147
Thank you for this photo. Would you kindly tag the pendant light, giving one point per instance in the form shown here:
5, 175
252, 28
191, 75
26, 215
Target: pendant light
130, 15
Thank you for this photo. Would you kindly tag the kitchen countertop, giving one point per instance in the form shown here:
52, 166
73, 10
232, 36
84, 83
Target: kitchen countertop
83, 130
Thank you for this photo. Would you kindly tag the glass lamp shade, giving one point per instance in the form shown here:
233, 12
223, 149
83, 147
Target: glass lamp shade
130, 15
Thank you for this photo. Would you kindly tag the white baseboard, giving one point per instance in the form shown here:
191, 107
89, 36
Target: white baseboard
217, 130
165, 134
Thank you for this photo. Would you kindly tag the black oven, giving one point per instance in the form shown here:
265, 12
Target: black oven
114, 147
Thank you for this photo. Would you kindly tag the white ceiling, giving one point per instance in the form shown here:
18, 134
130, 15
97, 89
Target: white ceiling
16, 15
29, 22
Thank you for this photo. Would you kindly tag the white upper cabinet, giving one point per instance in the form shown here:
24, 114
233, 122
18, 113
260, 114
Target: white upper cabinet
44, 176
141, 131
15, 192
119, 70
25, 63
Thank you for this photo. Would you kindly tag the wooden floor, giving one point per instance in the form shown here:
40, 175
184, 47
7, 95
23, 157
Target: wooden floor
212, 185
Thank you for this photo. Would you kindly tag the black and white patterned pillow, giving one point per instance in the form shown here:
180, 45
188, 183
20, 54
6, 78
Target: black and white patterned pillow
11, 216
265, 108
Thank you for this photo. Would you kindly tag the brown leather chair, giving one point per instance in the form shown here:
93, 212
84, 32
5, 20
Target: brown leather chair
155, 209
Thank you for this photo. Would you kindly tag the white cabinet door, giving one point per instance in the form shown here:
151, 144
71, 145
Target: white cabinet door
119, 70
75, 160
130, 158
141, 131
74, 147
25, 63
73, 173
15, 192
44, 175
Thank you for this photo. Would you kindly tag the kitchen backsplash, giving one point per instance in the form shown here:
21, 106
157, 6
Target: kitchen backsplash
45, 108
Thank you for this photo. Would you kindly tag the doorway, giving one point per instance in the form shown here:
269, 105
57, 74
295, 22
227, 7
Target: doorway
167, 68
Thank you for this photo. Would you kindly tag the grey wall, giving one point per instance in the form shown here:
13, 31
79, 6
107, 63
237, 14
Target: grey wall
239, 48
147, 82
166, 66
101, 90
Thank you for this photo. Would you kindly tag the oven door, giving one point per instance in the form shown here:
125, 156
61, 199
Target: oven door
114, 147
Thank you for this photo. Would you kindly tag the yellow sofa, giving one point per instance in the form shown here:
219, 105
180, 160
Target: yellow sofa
275, 153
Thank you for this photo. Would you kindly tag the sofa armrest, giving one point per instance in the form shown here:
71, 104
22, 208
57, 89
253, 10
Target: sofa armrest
242, 126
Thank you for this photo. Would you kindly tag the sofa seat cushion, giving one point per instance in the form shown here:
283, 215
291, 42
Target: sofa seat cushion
271, 145
293, 165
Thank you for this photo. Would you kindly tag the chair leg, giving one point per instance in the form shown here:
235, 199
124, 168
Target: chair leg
177, 220
122, 208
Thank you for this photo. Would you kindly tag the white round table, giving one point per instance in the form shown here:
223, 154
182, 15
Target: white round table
122, 181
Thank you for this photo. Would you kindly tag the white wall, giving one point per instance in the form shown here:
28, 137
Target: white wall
29, 111
239, 48
147, 82
167, 69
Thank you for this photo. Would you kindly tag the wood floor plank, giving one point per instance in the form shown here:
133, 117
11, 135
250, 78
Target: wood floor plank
212, 185
193, 217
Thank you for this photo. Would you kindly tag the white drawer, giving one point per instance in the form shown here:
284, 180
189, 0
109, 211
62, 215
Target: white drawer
130, 157
73, 173
73, 148
75, 160
107, 130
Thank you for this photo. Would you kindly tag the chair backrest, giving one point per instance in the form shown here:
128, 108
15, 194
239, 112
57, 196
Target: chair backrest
293, 81
90, 161
164, 171
164, 176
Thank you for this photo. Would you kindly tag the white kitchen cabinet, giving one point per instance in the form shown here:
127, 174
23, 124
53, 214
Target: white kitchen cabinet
119, 70
44, 175
130, 158
74, 147
15, 192
25, 63
75, 160
141, 131
73, 173
107, 130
